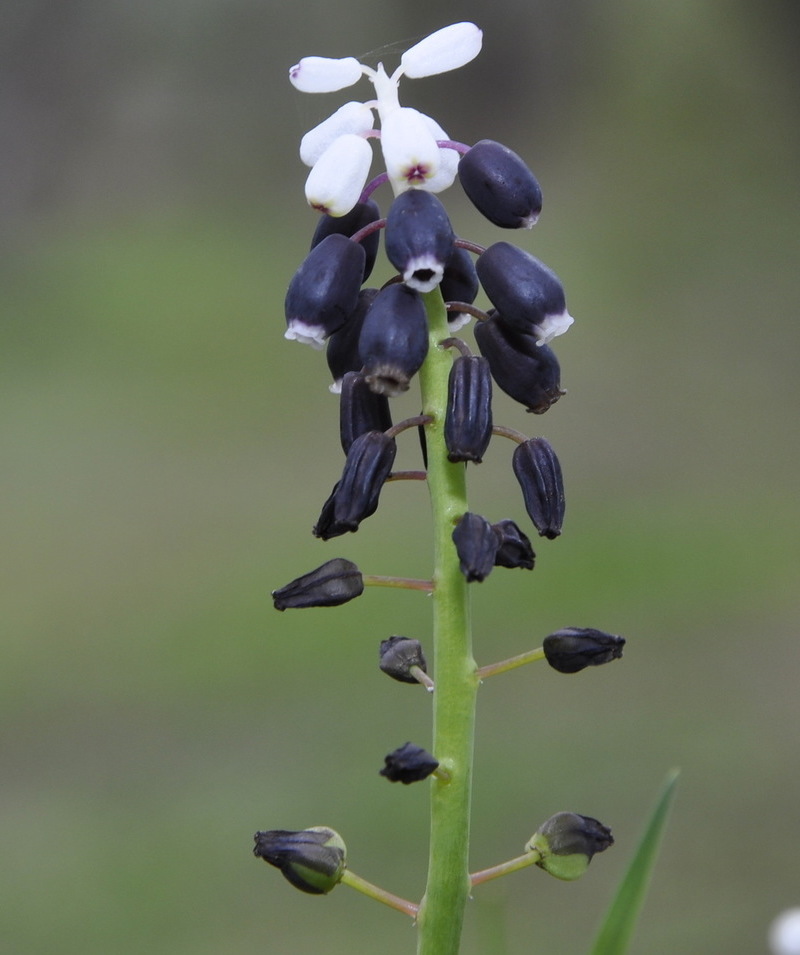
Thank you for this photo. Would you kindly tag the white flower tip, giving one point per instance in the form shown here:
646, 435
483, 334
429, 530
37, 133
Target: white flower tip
423, 273
305, 334
336, 387
457, 320
552, 326
784, 933
323, 74
446, 49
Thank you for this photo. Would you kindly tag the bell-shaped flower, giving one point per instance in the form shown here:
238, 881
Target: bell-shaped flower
325, 74
419, 239
446, 49
409, 149
337, 178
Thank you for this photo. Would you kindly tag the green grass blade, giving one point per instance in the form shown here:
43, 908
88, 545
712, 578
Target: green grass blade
620, 921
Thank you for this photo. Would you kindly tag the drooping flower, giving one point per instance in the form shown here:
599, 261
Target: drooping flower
335, 148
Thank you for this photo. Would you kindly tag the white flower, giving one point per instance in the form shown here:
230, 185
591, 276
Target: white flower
552, 326
408, 138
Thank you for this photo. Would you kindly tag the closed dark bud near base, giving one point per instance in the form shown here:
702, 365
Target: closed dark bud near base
323, 292
515, 549
394, 339
476, 544
539, 474
524, 291
459, 284
500, 185
398, 655
468, 422
342, 352
362, 214
355, 497
567, 842
408, 764
574, 648
419, 238
333, 583
360, 409
313, 860
527, 372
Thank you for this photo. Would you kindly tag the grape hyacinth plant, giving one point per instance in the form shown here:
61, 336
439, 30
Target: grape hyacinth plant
377, 340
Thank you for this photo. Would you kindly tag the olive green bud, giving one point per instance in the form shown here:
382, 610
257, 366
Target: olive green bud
567, 842
313, 860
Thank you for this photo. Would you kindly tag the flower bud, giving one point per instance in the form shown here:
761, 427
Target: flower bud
369, 461
351, 118
476, 544
394, 339
574, 648
525, 292
362, 214
325, 74
342, 352
446, 49
323, 292
337, 178
468, 421
408, 764
409, 149
567, 842
360, 409
419, 238
500, 185
527, 372
459, 284
515, 549
398, 655
313, 860
333, 583
539, 474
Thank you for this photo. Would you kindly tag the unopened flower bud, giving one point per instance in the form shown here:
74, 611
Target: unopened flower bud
468, 421
323, 292
500, 185
394, 339
360, 409
409, 764
567, 842
333, 583
419, 238
313, 860
362, 214
342, 352
398, 655
446, 49
574, 648
515, 549
539, 474
524, 291
476, 544
325, 74
527, 372
369, 462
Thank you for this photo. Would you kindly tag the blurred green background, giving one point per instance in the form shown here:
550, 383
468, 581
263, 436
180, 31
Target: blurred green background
165, 453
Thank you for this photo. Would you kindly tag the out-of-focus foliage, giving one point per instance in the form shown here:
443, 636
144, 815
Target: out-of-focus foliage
165, 453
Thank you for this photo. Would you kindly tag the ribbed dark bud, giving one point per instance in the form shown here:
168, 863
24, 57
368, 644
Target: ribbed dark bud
524, 291
539, 474
567, 842
515, 549
360, 409
459, 284
419, 238
398, 655
468, 421
342, 352
313, 860
333, 583
324, 291
355, 497
394, 339
574, 648
500, 185
527, 372
409, 764
476, 545
361, 215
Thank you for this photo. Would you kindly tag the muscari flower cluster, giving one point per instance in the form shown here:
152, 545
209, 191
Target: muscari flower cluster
377, 338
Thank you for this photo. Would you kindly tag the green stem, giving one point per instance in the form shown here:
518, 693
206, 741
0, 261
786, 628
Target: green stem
504, 868
379, 894
441, 911
531, 656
